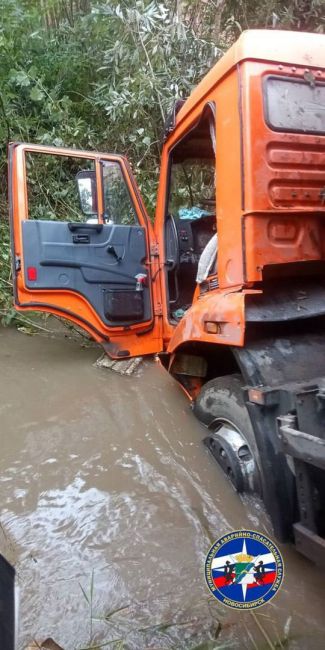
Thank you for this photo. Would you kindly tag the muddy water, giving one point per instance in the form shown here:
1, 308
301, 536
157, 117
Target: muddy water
104, 482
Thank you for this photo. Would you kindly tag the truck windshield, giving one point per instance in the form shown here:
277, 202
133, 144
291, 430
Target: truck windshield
292, 105
192, 188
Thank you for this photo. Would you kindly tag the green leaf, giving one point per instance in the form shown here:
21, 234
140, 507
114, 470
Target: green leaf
36, 94
19, 77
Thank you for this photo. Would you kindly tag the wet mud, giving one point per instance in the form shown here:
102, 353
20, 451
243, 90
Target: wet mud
109, 503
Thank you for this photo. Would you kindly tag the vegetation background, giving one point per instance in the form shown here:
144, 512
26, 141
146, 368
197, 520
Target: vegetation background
104, 74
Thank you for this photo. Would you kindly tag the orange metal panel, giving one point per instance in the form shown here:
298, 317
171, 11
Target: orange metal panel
269, 185
296, 48
221, 307
229, 177
145, 338
284, 210
228, 187
269, 189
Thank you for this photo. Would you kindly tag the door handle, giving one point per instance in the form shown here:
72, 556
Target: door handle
113, 252
83, 225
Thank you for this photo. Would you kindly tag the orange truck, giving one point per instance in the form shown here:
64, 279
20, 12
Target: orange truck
228, 285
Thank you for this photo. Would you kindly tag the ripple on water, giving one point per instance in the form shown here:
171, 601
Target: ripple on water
105, 475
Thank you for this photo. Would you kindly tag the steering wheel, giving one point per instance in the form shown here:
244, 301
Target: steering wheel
172, 243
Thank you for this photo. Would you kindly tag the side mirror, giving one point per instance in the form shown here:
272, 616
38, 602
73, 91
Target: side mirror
86, 181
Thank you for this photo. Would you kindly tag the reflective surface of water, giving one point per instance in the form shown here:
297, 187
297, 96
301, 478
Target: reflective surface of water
104, 481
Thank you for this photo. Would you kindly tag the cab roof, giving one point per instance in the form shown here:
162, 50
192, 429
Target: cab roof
277, 46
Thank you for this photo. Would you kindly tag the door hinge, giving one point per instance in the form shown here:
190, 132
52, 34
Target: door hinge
154, 250
158, 309
17, 263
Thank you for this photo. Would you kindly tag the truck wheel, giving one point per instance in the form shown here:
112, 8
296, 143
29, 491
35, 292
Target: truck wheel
220, 406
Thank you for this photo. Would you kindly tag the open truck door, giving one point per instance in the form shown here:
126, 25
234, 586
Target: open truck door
81, 244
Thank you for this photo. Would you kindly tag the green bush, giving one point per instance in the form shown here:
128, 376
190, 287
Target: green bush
104, 75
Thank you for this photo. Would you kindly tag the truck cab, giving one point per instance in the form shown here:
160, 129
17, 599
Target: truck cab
228, 285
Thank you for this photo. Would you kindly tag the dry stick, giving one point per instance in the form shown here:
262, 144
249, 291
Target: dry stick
32, 324
101, 645
245, 14
145, 153
3, 531
150, 67
263, 631
251, 638
71, 327
219, 6
278, 638
25, 320
153, 76
6, 281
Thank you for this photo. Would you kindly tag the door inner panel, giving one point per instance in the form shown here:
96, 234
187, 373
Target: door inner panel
98, 261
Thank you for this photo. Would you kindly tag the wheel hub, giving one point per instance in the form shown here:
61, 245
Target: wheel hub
231, 451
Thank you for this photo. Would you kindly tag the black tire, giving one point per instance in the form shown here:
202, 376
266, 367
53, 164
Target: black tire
222, 398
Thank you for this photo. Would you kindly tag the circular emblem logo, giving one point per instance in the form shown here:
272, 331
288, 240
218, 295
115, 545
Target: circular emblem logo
244, 569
